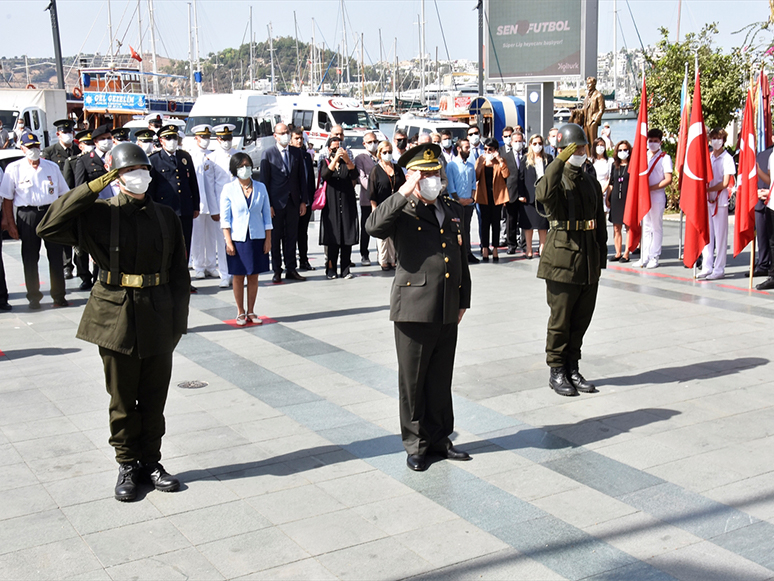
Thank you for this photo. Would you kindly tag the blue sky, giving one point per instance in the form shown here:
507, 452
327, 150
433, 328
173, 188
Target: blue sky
223, 23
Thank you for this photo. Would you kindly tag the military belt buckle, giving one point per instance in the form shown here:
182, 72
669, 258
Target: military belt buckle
131, 280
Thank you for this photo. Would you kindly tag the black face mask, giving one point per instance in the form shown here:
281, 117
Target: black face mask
401, 143
332, 152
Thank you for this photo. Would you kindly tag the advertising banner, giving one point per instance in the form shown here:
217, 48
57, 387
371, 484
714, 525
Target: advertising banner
114, 102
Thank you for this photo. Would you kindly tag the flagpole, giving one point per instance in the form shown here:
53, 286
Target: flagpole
752, 261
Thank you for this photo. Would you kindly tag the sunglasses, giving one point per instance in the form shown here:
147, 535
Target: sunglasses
623, 150
474, 133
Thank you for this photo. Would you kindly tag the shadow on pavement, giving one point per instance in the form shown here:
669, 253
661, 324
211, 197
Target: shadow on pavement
48, 351
715, 368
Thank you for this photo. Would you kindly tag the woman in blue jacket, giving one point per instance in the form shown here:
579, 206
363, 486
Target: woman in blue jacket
245, 217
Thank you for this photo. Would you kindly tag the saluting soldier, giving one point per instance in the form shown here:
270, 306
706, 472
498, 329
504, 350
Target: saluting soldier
59, 153
174, 182
573, 256
430, 294
137, 311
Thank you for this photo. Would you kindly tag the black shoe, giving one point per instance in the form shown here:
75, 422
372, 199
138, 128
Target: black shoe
765, 285
306, 266
5, 307
578, 381
68, 272
34, 305
484, 259
614, 259
417, 462
511, 251
161, 479
277, 278
85, 285
559, 382
61, 303
126, 486
451, 453
495, 259
293, 275
365, 261
472, 259
332, 276
760, 272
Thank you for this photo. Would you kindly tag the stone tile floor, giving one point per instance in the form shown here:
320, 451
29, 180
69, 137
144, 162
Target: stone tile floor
292, 466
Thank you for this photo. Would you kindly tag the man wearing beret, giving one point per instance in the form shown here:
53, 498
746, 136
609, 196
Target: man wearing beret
430, 294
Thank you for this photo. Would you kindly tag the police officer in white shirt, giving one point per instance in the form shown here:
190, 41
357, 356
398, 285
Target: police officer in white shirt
30, 185
206, 227
221, 156
714, 267
659, 177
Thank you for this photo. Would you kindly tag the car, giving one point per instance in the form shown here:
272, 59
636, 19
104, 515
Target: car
8, 156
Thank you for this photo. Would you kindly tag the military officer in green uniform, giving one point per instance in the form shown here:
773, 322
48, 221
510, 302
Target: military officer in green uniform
574, 253
85, 146
138, 309
430, 294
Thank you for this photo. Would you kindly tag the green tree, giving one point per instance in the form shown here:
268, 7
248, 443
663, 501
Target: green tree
724, 79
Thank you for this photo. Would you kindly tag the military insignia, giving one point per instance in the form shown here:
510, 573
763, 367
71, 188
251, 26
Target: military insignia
185, 161
206, 166
459, 239
428, 155
455, 219
30, 136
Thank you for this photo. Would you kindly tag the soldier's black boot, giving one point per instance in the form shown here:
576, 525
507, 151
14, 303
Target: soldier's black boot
559, 382
577, 380
160, 478
126, 486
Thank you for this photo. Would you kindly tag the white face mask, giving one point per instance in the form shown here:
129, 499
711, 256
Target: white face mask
66, 138
623, 155
203, 143
136, 181
245, 172
225, 144
577, 160
552, 141
474, 139
371, 147
654, 146
518, 146
146, 146
104, 145
717, 144
88, 148
446, 143
430, 187
600, 149
169, 145
536, 147
32, 153
488, 157
507, 139
284, 139
387, 157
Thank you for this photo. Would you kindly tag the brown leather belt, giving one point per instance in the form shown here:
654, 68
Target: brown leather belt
576, 225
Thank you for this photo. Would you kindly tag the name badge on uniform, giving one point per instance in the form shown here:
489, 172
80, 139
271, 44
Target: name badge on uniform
50, 186
185, 161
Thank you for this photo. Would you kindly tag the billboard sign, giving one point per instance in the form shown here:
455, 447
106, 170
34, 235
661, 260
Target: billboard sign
536, 41
114, 102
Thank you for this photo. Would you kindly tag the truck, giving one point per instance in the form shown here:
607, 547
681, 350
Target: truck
252, 113
39, 108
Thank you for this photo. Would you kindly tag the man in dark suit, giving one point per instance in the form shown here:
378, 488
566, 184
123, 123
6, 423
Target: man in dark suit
430, 294
297, 141
282, 172
174, 181
763, 229
511, 153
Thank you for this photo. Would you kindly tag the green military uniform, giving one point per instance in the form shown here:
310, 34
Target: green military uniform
136, 328
431, 285
59, 154
574, 252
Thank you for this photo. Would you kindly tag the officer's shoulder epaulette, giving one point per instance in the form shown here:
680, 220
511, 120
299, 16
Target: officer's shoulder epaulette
449, 200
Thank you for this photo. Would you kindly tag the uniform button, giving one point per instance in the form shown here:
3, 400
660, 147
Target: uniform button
441, 230
408, 283
443, 245
446, 259
178, 191
447, 275
419, 227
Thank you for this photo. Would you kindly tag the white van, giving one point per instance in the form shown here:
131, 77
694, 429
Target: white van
38, 107
252, 113
317, 114
411, 125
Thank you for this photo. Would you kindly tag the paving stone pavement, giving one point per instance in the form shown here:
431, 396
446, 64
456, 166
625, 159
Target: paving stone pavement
293, 467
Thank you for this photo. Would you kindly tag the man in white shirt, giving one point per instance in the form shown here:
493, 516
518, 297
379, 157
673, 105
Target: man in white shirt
714, 267
30, 185
659, 177
221, 156
206, 229
447, 145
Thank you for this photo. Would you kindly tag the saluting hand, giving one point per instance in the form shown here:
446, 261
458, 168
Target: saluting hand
567, 152
410, 185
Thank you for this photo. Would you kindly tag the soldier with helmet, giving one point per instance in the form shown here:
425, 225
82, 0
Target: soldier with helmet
573, 256
138, 309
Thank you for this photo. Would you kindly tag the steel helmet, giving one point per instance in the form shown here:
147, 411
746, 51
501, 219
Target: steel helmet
571, 133
127, 154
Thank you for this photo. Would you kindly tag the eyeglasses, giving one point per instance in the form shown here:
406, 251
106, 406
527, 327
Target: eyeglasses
370, 142
624, 149
474, 133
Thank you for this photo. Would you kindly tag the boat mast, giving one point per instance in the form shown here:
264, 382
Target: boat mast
252, 85
395, 74
422, 54
190, 51
143, 80
153, 48
110, 32
298, 56
346, 50
615, 53
313, 72
198, 54
362, 73
271, 53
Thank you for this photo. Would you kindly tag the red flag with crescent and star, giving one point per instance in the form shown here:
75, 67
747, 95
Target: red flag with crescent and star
135, 56
697, 173
747, 193
638, 195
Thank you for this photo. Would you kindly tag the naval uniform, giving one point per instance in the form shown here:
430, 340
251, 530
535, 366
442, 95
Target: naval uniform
174, 184
221, 158
573, 256
138, 309
431, 285
206, 231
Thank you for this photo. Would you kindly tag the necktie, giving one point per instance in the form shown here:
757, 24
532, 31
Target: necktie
285, 160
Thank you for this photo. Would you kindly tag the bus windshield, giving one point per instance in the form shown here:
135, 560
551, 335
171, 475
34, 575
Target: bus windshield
239, 122
353, 119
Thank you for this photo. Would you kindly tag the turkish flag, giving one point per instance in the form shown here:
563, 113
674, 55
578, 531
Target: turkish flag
135, 56
682, 134
638, 195
697, 175
747, 193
